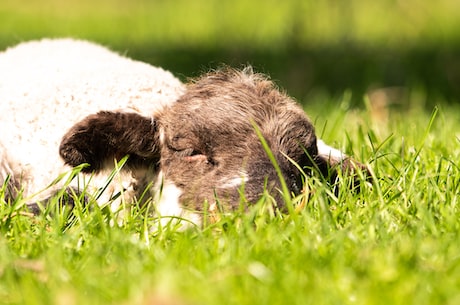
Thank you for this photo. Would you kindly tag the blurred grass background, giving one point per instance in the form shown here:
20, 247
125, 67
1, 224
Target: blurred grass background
308, 46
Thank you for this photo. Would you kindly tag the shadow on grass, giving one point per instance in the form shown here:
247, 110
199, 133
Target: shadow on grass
331, 69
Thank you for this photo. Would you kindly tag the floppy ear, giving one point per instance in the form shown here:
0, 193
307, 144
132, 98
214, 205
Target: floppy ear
100, 138
330, 159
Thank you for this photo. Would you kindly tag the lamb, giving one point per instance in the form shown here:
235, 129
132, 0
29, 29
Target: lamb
66, 102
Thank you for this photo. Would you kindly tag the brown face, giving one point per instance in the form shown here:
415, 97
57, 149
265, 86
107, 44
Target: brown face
209, 147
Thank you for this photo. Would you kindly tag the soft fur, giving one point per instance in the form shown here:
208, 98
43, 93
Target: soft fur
49, 85
197, 144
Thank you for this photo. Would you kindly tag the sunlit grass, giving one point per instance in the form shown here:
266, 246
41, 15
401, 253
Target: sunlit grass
395, 242
248, 24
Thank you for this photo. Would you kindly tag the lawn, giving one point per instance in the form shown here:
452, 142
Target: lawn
395, 242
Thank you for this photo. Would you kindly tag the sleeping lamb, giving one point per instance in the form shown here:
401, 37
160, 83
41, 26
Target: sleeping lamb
66, 102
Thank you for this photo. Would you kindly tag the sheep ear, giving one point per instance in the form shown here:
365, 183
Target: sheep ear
100, 138
330, 159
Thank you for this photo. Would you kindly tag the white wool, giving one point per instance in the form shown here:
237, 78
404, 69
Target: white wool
168, 206
47, 86
329, 152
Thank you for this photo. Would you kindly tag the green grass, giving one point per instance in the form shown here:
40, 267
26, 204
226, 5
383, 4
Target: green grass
305, 44
234, 24
396, 242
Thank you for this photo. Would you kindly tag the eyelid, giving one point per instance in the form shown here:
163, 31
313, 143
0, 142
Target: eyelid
196, 157
189, 154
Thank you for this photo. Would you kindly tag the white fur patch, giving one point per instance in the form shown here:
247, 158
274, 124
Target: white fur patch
162, 136
168, 205
235, 181
168, 201
330, 152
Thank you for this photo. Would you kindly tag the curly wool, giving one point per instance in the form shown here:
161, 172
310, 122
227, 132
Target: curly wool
47, 86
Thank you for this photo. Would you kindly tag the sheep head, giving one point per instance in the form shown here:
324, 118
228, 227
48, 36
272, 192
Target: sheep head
205, 144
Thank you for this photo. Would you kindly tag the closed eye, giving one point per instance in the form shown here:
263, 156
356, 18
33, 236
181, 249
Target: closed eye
196, 157
188, 152
192, 155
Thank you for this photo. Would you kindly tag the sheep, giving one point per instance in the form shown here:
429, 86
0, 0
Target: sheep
66, 102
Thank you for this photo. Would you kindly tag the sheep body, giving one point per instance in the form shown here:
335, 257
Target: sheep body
47, 86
